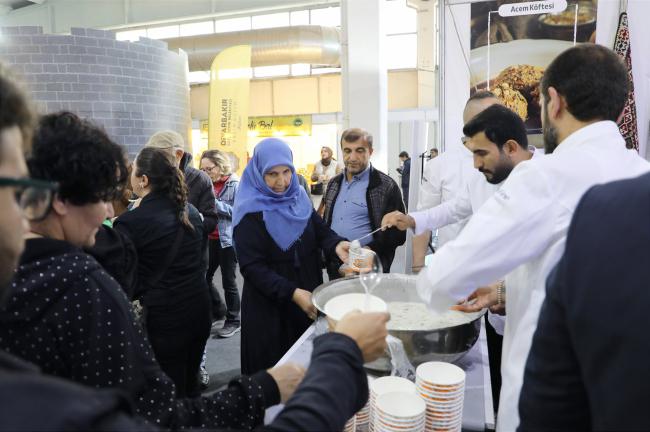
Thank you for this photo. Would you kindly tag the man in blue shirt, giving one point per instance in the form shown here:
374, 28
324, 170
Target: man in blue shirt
358, 198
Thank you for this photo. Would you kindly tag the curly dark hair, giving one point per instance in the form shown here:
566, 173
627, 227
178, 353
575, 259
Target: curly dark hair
15, 107
164, 177
77, 154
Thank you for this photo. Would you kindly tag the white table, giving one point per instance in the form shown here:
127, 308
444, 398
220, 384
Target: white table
478, 411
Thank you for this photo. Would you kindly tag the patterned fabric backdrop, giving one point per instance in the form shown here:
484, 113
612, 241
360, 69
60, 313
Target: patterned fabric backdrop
627, 123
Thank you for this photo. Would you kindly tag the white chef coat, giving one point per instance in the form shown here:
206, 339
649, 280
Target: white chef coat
521, 232
474, 194
442, 181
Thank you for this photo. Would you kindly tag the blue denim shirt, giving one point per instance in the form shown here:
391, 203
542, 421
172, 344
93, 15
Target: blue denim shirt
350, 218
225, 201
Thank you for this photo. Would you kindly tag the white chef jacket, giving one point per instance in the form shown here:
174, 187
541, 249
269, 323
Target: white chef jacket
521, 232
474, 194
442, 181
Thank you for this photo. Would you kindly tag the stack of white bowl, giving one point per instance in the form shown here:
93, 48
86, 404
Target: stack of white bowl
399, 412
350, 426
387, 384
442, 387
363, 416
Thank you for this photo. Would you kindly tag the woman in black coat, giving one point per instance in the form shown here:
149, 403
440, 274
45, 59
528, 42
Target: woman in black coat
168, 235
278, 238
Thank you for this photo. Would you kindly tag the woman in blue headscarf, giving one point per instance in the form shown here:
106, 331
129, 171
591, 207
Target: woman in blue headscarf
278, 238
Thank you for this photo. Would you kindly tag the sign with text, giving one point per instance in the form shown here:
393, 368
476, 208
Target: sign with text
532, 8
228, 108
279, 126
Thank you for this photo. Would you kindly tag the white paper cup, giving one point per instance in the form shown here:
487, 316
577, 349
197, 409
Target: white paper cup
440, 374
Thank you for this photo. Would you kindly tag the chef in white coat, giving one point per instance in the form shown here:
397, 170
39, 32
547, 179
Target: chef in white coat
497, 138
444, 178
521, 230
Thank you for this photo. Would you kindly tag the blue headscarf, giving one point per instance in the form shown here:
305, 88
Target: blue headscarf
286, 214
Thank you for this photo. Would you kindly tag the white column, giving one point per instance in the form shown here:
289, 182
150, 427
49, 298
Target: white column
364, 73
427, 40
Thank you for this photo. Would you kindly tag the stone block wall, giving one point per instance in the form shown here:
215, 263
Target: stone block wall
133, 89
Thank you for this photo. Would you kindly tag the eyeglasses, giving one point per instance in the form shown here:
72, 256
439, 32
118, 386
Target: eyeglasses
33, 196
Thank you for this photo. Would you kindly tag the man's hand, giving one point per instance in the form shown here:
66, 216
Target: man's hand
302, 298
368, 330
343, 251
484, 297
287, 376
397, 219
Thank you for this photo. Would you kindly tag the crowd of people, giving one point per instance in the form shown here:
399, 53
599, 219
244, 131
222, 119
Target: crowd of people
108, 300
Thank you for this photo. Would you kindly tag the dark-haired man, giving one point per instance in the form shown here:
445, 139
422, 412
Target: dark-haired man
358, 198
405, 174
497, 139
521, 231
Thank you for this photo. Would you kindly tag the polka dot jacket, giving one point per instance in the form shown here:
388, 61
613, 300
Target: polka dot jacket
71, 318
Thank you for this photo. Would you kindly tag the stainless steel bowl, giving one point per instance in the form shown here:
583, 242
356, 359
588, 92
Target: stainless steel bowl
445, 344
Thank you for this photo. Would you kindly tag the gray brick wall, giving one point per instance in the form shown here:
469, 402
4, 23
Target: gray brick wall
133, 89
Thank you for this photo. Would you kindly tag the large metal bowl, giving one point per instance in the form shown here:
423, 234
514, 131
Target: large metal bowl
445, 344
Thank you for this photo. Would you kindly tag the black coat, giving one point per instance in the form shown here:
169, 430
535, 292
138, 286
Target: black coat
588, 364
68, 316
152, 227
334, 388
200, 193
271, 321
30, 402
117, 254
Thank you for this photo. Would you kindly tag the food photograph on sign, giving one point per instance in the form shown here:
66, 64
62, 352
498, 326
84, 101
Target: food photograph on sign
512, 43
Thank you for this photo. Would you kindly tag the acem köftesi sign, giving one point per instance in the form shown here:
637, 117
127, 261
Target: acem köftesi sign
532, 8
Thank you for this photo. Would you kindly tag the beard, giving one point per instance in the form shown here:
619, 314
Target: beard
500, 172
326, 161
549, 133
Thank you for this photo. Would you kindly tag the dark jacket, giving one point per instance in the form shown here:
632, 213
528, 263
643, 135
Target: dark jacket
116, 253
333, 390
30, 402
587, 368
271, 321
383, 196
153, 227
68, 316
200, 193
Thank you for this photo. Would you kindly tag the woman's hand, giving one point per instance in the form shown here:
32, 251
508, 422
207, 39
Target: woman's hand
302, 298
343, 251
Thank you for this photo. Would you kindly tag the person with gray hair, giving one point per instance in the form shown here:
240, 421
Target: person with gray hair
198, 184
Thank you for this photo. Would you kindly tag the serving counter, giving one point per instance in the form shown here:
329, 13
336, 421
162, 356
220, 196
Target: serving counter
478, 411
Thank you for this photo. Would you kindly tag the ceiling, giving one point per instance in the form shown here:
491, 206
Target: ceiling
7, 6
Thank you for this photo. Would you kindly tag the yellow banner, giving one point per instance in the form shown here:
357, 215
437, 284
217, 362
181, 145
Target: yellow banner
279, 126
228, 110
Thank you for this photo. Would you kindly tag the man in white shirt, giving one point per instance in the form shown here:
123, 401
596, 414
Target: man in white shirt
521, 230
444, 177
